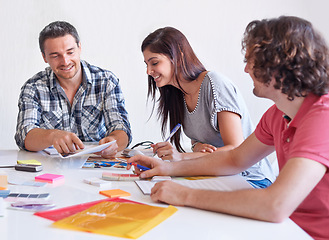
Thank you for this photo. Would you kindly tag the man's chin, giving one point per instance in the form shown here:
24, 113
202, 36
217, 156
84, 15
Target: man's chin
66, 76
254, 91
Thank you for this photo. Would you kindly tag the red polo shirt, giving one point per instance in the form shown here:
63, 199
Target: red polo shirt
307, 136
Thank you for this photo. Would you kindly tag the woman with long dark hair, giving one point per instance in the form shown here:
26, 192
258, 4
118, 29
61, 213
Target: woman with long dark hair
207, 104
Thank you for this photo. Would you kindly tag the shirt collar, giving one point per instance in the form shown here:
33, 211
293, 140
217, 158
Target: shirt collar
52, 78
86, 75
309, 100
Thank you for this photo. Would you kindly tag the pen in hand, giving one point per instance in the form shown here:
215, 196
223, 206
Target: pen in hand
173, 131
140, 166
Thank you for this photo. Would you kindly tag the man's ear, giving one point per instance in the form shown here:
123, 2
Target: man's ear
44, 57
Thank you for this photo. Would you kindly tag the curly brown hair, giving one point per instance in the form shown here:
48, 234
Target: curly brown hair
290, 50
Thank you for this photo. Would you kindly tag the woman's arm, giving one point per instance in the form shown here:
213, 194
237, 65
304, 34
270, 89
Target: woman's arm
230, 129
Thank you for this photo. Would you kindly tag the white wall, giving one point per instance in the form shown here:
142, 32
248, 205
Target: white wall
111, 33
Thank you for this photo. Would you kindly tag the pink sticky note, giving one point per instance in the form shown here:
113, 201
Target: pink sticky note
48, 177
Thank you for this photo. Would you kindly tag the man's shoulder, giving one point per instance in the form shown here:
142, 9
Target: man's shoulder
97, 73
92, 68
272, 116
323, 100
273, 111
40, 78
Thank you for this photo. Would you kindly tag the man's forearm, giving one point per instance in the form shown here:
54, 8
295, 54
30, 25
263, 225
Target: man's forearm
217, 163
250, 203
192, 155
38, 139
121, 137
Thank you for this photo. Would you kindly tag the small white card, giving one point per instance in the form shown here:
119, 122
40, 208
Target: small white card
97, 182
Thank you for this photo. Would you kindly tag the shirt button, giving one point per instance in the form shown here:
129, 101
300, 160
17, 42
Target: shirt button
288, 139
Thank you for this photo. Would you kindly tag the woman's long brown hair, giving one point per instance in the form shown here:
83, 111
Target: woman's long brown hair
172, 43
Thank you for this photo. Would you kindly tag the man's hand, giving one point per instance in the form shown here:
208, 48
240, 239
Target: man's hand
65, 142
110, 151
170, 192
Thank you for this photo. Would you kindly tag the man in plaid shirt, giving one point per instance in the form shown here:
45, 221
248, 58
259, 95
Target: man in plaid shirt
71, 102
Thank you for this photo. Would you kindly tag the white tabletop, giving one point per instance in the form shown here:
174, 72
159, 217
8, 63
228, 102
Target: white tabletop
186, 223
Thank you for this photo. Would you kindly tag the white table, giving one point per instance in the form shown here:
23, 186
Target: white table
186, 223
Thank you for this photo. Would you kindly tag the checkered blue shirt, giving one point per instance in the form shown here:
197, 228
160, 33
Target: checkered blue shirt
98, 107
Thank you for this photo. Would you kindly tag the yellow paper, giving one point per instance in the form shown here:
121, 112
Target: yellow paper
32, 162
117, 219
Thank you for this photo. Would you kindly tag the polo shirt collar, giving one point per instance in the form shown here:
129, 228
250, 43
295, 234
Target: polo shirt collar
309, 100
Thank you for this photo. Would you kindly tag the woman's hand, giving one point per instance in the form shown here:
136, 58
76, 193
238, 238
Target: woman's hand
204, 147
157, 166
166, 151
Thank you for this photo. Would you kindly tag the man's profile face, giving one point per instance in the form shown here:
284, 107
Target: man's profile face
260, 88
63, 56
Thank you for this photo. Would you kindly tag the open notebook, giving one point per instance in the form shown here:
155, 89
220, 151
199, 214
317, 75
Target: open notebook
227, 183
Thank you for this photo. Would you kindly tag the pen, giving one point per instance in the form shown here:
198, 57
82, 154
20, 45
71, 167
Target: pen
175, 129
140, 166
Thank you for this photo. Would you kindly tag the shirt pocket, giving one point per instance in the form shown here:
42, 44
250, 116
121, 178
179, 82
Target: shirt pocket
51, 119
92, 119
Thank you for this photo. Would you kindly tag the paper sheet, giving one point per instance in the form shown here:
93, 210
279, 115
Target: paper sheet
87, 150
227, 183
2, 207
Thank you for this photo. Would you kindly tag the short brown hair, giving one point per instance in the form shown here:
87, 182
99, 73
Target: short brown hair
55, 30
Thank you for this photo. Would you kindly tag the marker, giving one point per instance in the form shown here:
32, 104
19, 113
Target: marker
175, 129
140, 166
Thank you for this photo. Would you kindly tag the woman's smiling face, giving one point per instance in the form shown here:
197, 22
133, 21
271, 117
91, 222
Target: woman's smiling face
159, 67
